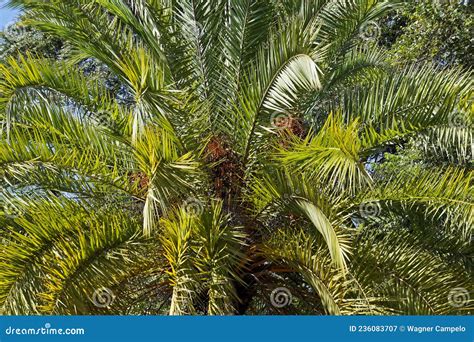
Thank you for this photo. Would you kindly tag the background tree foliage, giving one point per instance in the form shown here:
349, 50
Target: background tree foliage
220, 157
426, 30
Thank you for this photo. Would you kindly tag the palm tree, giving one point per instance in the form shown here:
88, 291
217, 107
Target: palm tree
235, 173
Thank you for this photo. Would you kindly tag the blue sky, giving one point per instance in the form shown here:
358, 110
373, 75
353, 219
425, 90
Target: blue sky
6, 16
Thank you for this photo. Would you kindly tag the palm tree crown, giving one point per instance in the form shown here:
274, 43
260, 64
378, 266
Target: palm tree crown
237, 174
